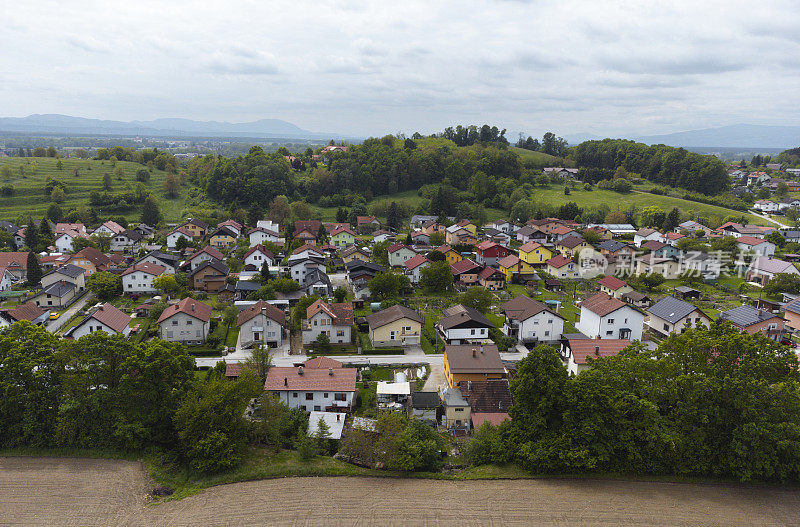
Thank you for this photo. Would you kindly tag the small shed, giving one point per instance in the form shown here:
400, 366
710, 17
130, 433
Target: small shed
683, 292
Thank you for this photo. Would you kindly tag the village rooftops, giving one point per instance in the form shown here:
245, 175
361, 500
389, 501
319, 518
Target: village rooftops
302, 378
612, 282
583, 348
146, 267
392, 314
261, 307
523, 308
341, 313
601, 304
474, 358
189, 306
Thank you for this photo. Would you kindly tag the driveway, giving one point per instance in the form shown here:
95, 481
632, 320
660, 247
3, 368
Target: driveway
339, 280
435, 378
54, 325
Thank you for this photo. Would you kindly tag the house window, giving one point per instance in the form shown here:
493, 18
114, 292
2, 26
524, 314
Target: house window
339, 397
609, 332
472, 332
316, 408
174, 322
340, 333
294, 395
325, 395
610, 320
188, 322
546, 333
309, 396
666, 327
459, 409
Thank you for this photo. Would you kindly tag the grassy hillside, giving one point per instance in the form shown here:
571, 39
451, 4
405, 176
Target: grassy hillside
555, 196
540, 158
30, 198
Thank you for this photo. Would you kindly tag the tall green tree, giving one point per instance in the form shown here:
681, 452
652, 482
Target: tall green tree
34, 269
151, 214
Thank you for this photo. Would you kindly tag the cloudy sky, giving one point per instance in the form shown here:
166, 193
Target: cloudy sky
372, 67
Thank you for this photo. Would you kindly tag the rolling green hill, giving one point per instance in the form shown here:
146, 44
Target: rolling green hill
29, 196
540, 158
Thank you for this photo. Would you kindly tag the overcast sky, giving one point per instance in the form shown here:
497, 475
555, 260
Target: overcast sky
369, 67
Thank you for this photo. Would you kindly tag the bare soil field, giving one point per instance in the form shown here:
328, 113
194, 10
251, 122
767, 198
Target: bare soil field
50, 491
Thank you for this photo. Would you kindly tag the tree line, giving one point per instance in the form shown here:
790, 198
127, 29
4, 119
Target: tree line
665, 165
711, 402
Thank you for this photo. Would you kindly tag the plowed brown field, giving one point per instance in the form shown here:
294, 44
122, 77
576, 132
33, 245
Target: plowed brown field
62, 491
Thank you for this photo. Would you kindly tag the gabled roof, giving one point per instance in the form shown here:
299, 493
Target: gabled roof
444, 249
307, 247
523, 308
312, 226
189, 306
570, 242
612, 245
425, 400
508, 261
562, 230
27, 311
341, 313
416, 261
70, 270
113, 226
323, 362
474, 358
260, 248
392, 314
672, 309
180, 230
596, 348
93, 255
264, 230
212, 252
132, 234
486, 245
487, 272
745, 316
530, 246
145, 267
771, 265
645, 232
749, 240
353, 249
601, 304
57, 289
214, 264
461, 315
315, 275
487, 396
557, 262
398, 246
311, 379
654, 245
111, 317
464, 266
262, 306
361, 220
612, 282
339, 229
224, 231
198, 223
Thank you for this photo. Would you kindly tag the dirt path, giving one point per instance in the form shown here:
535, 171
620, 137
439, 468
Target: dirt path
41, 491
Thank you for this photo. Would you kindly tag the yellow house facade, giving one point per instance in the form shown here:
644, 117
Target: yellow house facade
220, 240
450, 254
395, 326
511, 265
534, 253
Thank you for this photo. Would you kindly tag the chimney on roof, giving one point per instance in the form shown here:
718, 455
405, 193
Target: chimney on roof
330, 372
338, 417
192, 307
300, 370
474, 352
286, 381
597, 350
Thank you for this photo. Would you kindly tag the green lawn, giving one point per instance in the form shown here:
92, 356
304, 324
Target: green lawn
29, 196
584, 198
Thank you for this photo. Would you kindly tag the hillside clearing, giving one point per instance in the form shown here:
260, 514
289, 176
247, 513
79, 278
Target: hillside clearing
29, 196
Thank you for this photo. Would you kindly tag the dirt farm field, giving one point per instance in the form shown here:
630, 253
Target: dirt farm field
66, 491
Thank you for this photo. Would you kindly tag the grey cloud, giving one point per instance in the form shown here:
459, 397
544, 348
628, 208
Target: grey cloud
87, 43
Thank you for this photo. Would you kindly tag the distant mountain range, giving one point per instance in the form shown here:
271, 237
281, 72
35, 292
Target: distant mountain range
65, 124
733, 136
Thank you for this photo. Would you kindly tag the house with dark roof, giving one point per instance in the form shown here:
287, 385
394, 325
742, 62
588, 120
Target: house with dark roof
616, 248
423, 405
261, 323
472, 362
792, 313
764, 268
90, 259
126, 239
570, 246
395, 326
603, 316
358, 270
210, 276
66, 273
205, 254
491, 278
257, 256
645, 235
531, 321
166, 260
307, 231
57, 295
223, 237
334, 320
461, 324
578, 351
317, 282
105, 318
671, 314
318, 389
752, 320
188, 321
562, 267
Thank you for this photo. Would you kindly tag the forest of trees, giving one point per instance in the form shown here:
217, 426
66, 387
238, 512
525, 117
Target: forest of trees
665, 165
550, 144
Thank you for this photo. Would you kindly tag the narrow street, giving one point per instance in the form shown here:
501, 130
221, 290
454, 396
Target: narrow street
55, 325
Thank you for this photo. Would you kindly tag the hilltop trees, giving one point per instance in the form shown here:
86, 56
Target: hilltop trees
151, 214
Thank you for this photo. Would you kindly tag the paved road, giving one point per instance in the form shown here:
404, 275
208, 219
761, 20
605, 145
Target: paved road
54, 325
776, 222
361, 360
